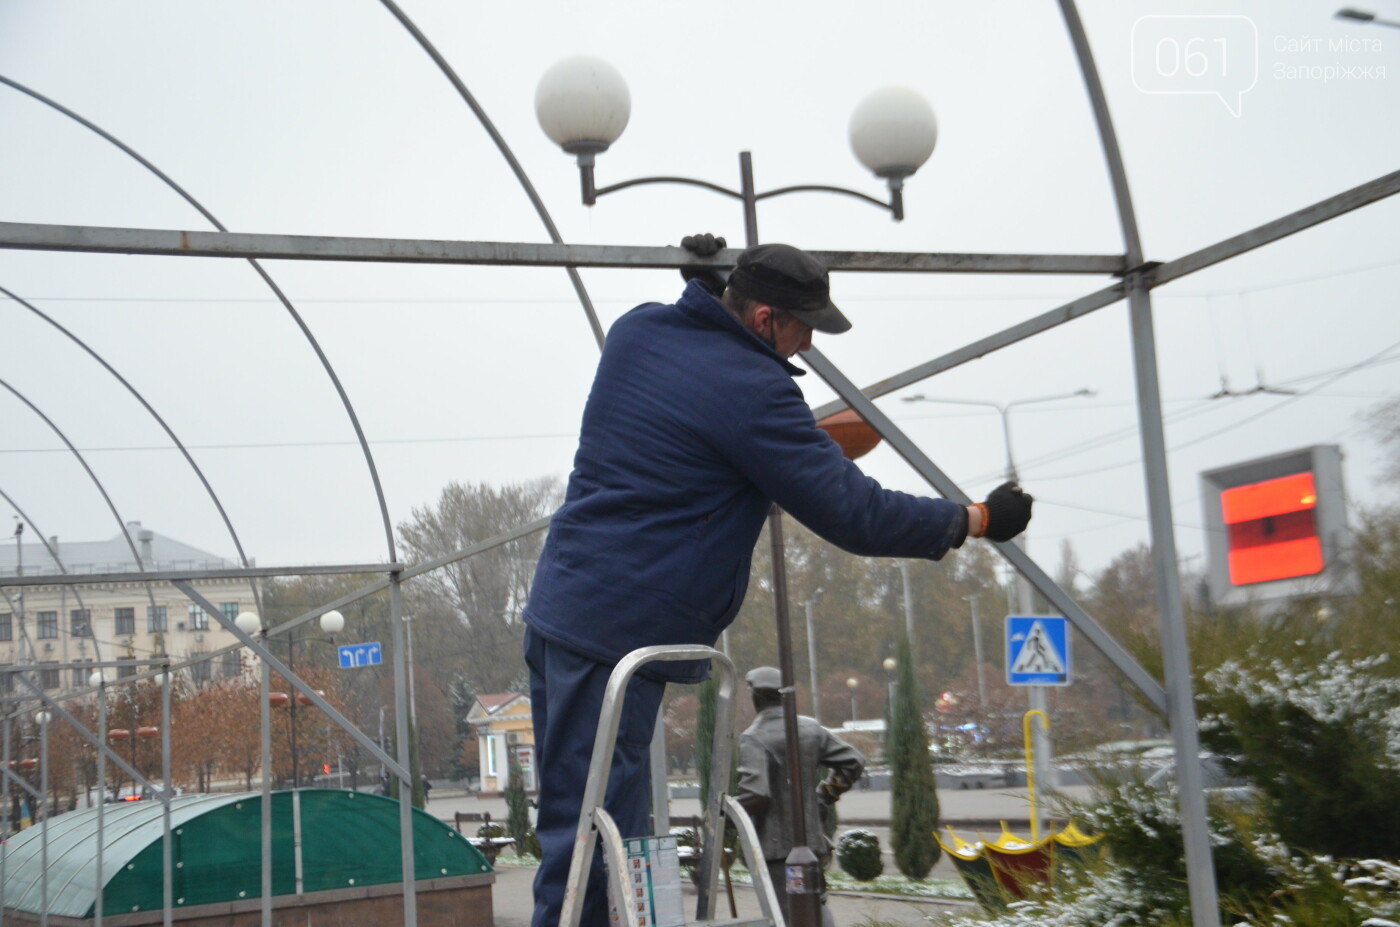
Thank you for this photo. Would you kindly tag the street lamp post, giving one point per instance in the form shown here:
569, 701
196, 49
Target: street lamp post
1035, 694
332, 623
1366, 17
853, 683
583, 105
977, 653
890, 664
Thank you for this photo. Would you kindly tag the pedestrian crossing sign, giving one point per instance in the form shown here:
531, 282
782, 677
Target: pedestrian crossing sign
1037, 650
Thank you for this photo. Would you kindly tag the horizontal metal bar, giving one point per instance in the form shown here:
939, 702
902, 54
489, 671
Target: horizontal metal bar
170, 576
1304, 218
34, 237
1096, 635
1269, 232
984, 346
83, 664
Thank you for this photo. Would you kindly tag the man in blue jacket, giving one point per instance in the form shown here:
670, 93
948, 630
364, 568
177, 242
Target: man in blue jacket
694, 428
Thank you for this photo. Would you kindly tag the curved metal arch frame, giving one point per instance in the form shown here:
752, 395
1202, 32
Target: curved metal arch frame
506, 153
213, 496
1200, 870
1138, 276
140, 565
267, 278
96, 647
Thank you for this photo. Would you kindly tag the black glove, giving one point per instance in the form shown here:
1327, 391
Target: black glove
1008, 511
705, 245
829, 790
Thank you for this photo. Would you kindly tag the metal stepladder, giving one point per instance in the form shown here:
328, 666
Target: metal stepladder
595, 823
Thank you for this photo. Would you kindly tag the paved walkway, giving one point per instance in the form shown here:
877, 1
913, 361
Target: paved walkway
967, 811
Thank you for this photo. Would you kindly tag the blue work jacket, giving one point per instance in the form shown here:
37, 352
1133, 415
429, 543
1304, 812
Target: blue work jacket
693, 429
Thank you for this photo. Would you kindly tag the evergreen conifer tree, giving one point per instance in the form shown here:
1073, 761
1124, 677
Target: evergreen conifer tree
518, 815
914, 795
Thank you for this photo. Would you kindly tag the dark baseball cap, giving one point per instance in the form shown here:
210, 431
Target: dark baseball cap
792, 280
765, 677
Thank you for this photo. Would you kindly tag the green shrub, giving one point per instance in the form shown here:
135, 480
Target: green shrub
858, 851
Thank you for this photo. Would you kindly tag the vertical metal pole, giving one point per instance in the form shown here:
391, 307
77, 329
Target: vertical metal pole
1037, 700
166, 793
101, 797
5, 797
292, 707
44, 821
410, 901
804, 906
660, 791
1176, 658
750, 197
908, 605
265, 718
812, 662
977, 655
296, 839
1195, 829
803, 873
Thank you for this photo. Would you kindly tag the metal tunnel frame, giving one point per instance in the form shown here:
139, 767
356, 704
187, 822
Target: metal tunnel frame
1136, 278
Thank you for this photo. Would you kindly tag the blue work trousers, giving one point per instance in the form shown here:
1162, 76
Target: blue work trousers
566, 697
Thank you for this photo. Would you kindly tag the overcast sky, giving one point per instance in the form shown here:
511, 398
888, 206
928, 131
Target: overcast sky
326, 118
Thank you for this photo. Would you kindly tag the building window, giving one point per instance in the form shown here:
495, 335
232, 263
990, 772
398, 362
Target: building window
7, 682
199, 619
126, 670
81, 622
230, 609
80, 675
7, 626
200, 671
231, 665
126, 621
48, 625
48, 678
155, 618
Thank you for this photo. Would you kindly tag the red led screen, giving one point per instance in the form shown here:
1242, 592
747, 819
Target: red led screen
1272, 529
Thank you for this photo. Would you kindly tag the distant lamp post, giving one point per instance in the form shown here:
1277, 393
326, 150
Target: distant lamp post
249, 623
890, 664
852, 683
332, 623
1365, 17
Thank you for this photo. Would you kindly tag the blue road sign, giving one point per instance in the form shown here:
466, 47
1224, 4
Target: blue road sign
356, 655
1037, 650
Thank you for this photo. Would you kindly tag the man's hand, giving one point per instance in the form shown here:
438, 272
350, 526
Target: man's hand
705, 245
1008, 511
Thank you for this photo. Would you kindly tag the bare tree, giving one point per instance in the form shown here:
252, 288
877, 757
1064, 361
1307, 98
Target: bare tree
467, 614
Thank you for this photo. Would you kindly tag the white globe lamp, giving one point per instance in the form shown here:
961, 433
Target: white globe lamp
332, 622
582, 104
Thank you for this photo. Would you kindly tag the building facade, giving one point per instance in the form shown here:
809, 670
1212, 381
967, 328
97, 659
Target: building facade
44, 629
505, 735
